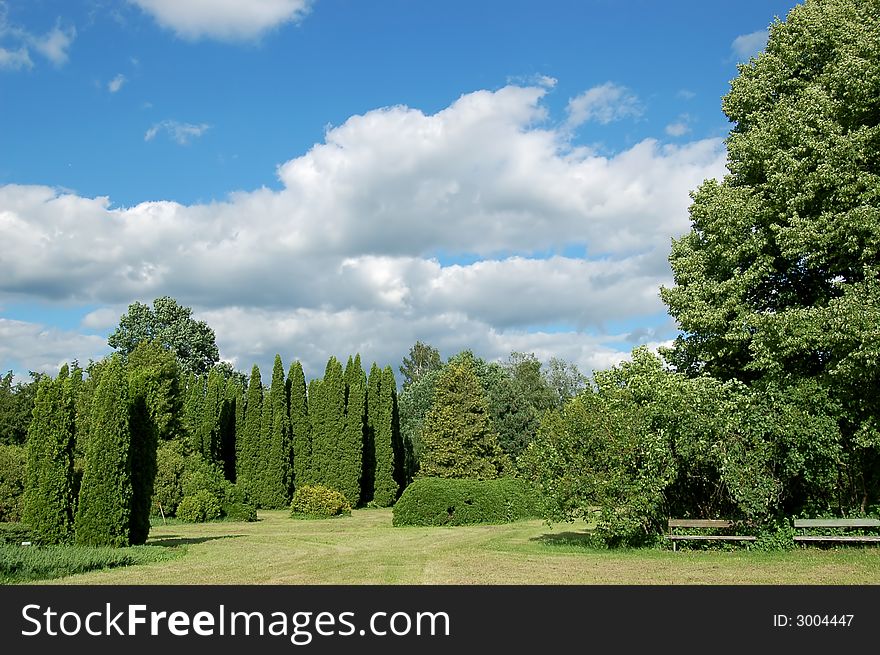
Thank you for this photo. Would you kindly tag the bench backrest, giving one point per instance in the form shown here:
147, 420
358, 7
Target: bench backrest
698, 523
837, 523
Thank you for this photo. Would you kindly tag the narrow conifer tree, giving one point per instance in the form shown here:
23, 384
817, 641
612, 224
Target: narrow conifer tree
208, 435
351, 441
230, 416
299, 425
144, 441
248, 446
373, 421
332, 422
386, 484
48, 496
194, 397
316, 406
104, 510
275, 467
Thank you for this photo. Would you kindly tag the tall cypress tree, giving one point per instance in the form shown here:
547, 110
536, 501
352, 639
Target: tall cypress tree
104, 510
208, 441
248, 447
326, 447
299, 424
386, 458
351, 442
374, 420
275, 467
144, 441
194, 398
316, 473
48, 496
230, 416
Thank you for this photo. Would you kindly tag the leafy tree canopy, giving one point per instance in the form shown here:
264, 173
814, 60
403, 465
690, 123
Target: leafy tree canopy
422, 359
173, 327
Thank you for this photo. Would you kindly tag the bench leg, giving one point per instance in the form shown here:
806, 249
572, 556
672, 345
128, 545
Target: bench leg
674, 544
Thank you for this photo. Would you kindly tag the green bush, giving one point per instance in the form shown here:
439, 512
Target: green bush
447, 501
200, 507
13, 462
318, 501
15, 533
168, 487
239, 512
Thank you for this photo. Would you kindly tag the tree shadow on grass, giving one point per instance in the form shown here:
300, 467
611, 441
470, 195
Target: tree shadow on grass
578, 539
175, 540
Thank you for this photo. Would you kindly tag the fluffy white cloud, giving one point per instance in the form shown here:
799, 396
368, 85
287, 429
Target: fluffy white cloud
116, 83
357, 251
182, 133
227, 20
746, 46
604, 104
35, 347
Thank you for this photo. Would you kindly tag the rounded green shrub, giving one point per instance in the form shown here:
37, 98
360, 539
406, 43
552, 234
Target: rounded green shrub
456, 501
200, 507
239, 512
318, 501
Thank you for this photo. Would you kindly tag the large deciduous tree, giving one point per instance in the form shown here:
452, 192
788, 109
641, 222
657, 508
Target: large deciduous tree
422, 359
778, 282
173, 327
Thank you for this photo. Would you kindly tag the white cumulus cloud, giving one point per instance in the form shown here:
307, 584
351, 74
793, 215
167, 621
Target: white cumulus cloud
457, 228
225, 20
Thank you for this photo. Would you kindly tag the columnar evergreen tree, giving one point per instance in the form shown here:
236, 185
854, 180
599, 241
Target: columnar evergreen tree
231, 415
144, 441
331, 423
351, 442
194, 398
275, 467
316, 403
386, 486
104, 511
248, 447
161, 374
207, 442
299, 424
373, 421
459, 440
48, 499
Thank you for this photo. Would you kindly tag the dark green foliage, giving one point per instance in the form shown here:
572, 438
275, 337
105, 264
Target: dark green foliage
231, 424
438, 501
422, 359
328, 426
144, 441
200, 507
299, 424
316, 400
160, 377
459, 439
274, 472
13, 466
15, 533
317, 501
415, 402
16, 408
386, 485
171, 326
237, 511
194, 399
207, 437
48, 499
372, 422
351, 442
22, 565
104, 510
168, 486
248, 447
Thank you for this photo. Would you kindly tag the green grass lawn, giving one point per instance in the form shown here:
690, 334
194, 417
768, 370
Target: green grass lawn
365, 549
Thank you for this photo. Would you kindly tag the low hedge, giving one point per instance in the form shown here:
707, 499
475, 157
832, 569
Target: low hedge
438, 501
316, 501
200, 507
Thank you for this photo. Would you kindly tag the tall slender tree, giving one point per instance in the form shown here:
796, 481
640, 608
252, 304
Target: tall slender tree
299, 424
248, 447
104, 510
316, 404
351, 442
373, 423
275, 464
331, 423
48, 498
208, 436
388, 462
142, 459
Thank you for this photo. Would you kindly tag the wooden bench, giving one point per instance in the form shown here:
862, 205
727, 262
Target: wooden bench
849, 524
714, 524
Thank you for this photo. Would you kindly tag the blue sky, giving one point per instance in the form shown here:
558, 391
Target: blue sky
333, 176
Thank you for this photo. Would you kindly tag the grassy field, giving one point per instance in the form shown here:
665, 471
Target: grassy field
365, 549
